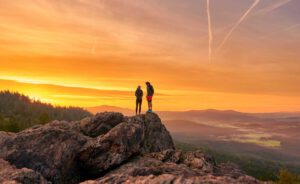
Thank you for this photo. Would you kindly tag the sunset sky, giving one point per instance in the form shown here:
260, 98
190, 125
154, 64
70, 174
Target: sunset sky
198, 54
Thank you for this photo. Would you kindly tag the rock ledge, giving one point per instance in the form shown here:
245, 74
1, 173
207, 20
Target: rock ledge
106, 148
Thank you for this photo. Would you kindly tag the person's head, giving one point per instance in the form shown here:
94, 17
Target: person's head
147, 83
139, 87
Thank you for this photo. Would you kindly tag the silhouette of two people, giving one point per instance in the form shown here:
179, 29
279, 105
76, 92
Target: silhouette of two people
139, 98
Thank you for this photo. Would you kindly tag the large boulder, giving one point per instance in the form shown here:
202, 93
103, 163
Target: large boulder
10, 174
156, 136
111, 149
139, 134
51, 150
101, 123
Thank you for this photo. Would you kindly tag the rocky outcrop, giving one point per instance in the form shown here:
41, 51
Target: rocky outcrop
5, 136
194, 160
230, 170
182, 168
100, 124
156, 136
174, 179
10, 174
136, 135
51, 150
112, 148
66, 152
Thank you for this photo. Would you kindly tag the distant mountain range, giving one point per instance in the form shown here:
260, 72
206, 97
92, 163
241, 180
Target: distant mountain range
209, 114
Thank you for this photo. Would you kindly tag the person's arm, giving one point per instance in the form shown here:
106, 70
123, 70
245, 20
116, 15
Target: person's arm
151, 91
148, 90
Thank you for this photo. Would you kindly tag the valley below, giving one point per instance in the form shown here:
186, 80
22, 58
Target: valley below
261, 144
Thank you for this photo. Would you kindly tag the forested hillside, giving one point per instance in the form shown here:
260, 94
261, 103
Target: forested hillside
18, 112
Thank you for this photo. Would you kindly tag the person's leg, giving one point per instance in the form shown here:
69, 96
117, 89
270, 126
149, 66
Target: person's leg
140, 106
148, 104
149, 99
136, 106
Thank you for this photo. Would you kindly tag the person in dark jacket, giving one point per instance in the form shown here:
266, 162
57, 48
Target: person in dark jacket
150, 93
139, 99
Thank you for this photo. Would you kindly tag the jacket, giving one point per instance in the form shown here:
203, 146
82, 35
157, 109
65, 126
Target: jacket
150, 90
139, 94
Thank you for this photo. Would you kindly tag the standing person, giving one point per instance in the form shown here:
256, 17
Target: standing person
139, 99
150, 93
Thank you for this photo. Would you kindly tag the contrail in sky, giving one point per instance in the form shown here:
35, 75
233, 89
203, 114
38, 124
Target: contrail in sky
274, 7
236, 25
210, 35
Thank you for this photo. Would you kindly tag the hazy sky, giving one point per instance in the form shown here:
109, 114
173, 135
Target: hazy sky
241, 54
